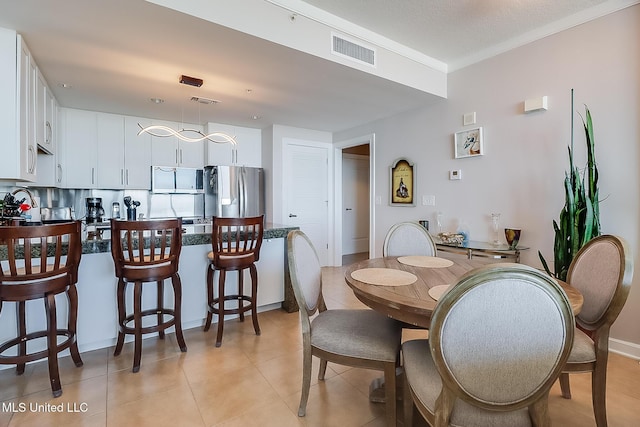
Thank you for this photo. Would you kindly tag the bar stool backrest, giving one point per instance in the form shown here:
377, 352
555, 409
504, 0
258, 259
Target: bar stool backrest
236, 242
146, 250
49, 270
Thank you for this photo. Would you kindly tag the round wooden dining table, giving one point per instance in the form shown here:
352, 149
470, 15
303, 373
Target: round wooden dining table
412, 303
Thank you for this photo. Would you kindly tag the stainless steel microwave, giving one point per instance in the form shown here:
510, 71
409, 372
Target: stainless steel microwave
169, 179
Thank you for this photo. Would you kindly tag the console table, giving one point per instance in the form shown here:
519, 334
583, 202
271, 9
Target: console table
481, 249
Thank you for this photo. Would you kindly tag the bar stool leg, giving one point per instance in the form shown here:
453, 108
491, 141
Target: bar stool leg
22, 331
221, 280
177, 311
72, 298
137, 325
210, 273
159, 307
52, 345
254, 298
121, 316
240, 294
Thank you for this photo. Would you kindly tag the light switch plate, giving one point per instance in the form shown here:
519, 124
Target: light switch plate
428, 200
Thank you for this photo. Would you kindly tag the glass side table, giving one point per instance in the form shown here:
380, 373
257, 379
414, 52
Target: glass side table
481, 249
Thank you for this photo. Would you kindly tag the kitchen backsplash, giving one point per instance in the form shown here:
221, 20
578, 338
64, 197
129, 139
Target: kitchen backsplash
151, 205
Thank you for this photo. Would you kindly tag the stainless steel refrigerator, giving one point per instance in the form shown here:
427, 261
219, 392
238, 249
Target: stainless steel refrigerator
233, 191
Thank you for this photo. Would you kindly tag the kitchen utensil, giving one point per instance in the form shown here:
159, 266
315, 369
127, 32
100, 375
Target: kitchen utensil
127, 201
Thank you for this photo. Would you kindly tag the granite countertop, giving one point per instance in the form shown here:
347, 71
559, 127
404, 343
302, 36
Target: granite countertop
271, 231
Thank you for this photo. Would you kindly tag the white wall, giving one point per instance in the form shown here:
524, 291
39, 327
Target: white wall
521, 175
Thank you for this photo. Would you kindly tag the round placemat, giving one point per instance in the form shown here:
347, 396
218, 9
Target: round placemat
425, 261
437, 291
384, 276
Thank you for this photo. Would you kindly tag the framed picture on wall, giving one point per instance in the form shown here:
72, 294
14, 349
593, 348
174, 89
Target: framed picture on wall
403, 178
469, 143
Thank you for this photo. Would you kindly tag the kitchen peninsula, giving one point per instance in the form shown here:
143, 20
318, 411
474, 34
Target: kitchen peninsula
97, 313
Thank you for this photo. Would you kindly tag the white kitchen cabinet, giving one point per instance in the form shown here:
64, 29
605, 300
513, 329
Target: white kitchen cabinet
49, 164
102, 150
19, 151
43, 130
137, 154
78, 148
171, 151
51, 120
247, 152
110, 139
27, 76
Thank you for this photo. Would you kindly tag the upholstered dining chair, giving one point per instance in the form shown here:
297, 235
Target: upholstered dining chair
408, 238
498, 341
359, 338
602, 272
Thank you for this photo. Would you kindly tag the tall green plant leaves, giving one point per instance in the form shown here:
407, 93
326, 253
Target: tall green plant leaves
580, 216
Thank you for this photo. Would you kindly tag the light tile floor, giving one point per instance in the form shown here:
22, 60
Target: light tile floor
249, 381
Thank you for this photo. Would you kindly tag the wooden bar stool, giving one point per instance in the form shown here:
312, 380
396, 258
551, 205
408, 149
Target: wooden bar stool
147, 251
30, 273
236, 246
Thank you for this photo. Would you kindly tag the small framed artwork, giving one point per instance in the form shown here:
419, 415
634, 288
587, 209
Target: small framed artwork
403, 175
469, 143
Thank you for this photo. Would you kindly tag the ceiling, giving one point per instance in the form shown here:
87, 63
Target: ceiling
118, 54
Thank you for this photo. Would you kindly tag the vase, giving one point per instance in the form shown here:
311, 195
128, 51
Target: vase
513, 237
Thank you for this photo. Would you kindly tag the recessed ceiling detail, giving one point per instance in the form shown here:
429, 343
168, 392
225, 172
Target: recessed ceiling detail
206, 101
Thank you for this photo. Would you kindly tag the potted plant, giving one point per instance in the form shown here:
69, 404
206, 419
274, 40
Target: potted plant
580, 217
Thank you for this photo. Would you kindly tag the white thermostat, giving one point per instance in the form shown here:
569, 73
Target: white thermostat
455, 174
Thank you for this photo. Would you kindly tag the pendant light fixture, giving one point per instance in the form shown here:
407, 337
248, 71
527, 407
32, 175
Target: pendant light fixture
166, 131
183, 134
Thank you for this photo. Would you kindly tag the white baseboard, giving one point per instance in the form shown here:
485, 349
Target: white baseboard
624, 348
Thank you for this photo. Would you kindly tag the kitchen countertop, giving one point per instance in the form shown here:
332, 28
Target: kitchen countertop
271, 231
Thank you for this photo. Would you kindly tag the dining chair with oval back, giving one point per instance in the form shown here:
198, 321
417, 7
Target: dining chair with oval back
602, 271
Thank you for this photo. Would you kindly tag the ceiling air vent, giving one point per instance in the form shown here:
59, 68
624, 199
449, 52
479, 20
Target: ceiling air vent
205, 101
351, 49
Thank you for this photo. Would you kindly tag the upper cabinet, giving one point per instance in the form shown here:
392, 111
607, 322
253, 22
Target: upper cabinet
17, 79
110, 140
103, 151
43, 115
137, 154
247, 152
171, 151
78, 144
49, 164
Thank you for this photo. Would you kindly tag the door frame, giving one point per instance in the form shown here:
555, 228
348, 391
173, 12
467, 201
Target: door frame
337, 193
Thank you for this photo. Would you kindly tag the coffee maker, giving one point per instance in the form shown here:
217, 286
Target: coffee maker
94, 210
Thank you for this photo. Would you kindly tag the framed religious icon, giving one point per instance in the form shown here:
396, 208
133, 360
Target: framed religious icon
403, 179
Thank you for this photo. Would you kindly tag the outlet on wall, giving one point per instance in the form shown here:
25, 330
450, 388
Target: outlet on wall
428, 200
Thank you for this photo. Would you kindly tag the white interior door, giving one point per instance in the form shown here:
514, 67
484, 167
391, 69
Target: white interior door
355, 204
306, 194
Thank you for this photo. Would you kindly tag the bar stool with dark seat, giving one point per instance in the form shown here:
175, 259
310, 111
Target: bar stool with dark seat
147, 251
30, 273
236, 246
